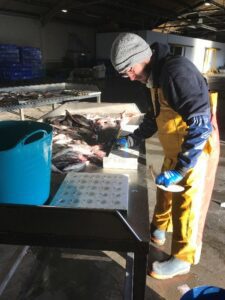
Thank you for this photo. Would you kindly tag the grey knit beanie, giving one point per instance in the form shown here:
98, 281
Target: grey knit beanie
127, 50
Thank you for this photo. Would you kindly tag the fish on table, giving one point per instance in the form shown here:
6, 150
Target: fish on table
17, 97
80, 139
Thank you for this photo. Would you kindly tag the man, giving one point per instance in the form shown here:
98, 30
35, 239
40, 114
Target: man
187, 129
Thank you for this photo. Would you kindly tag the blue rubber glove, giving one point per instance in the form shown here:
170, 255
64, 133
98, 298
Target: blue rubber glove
168, 177
125, 142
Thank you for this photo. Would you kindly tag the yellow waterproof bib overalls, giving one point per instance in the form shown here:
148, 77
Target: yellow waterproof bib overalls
184, 213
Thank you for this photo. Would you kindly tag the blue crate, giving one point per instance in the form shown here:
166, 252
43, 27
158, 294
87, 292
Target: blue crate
9, 52
30, 52
32, 62
9, 55
8, 47
19, 63
30, 49
20, 72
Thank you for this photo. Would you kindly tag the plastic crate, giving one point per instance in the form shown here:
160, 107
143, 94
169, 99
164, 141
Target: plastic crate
30, 55
9, 54
19, 63
8, 47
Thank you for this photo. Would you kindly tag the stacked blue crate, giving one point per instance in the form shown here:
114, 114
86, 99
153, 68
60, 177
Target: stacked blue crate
20, 63
9, 54
9, 62
31, 58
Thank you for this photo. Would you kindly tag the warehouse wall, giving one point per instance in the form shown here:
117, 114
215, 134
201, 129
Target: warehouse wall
54, 39
194, 48
20, 31
60, 39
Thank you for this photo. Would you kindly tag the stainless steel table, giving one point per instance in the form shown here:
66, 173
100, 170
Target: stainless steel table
95, 229
91, 91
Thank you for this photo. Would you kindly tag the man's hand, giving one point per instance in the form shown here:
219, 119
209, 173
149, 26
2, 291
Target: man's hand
168, 177
125, 141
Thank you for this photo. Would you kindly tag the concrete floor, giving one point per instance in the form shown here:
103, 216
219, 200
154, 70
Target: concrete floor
62, 274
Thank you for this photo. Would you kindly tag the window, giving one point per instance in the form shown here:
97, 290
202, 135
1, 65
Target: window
177, 50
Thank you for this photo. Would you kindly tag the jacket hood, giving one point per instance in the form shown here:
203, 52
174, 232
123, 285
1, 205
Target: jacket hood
160, 53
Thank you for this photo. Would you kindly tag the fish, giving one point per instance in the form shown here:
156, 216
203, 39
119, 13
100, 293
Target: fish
100, 153
64, 161
55, 169
56, 121
106, 123
75, 167
33, 95
49, 95
78, 140
79, 120
96, 160
61, 152
81, 148
62, 139
73, 92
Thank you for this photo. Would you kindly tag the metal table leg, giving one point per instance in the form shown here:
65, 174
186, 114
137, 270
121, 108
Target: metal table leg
21, 114
128, 282
139, 276
99, 99
135, 280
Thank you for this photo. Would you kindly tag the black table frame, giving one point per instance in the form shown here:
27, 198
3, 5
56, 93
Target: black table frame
94, 229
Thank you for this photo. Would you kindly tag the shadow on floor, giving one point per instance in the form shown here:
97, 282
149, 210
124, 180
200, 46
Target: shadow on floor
62, 274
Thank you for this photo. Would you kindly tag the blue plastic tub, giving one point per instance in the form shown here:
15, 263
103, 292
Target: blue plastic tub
205, 293
25, 162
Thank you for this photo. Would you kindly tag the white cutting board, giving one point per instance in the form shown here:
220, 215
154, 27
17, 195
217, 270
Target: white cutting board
93, 190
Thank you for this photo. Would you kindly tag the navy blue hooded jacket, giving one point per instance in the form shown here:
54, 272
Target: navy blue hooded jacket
186, 91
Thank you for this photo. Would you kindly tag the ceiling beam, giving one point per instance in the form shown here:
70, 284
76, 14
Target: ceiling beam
53, 11
29, 3
120, 18
192, 7
193, 26
37, 17
83, 22
208, 17
9, 12
80, 5
142, 10
65, 4
217, 4
30, 6
210, 28
184, 4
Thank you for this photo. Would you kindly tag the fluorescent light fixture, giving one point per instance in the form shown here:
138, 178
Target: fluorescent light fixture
64, 11
207, 4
